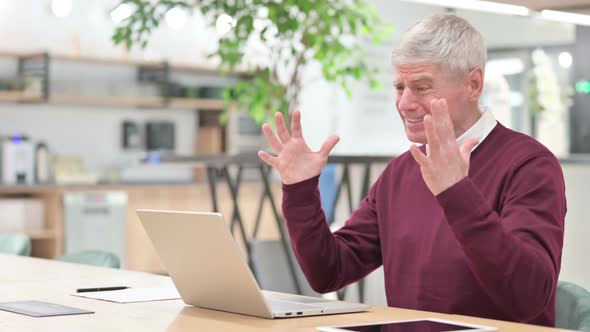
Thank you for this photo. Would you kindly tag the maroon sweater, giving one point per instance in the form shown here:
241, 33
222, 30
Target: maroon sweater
489, 246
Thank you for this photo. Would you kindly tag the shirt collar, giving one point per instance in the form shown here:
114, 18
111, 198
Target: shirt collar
480, 129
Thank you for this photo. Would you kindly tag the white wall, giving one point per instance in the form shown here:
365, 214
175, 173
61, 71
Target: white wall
28, 25
574, 265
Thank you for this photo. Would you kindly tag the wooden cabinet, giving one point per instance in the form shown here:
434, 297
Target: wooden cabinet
48, 241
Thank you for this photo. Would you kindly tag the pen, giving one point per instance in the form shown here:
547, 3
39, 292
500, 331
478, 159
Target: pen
100, 289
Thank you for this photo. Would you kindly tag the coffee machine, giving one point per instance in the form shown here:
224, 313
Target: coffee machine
17, 160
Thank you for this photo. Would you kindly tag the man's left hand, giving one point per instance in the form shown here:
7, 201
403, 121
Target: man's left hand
445, 163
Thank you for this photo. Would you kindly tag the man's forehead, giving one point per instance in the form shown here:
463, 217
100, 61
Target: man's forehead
411, 78
418, 72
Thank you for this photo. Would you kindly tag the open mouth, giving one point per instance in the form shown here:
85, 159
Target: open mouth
414, 120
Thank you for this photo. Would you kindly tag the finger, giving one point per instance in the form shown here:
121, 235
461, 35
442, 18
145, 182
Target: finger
272, 140
442, 121
281, 128
329, 144
419, 156
270, 160
467, 148
447, 121
431, 136
296, 125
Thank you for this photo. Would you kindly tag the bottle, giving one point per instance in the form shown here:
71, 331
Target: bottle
42, 169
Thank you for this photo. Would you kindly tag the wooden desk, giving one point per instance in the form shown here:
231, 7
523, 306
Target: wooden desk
23, 278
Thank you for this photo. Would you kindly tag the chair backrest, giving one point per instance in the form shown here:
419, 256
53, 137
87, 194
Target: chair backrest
572, 307
92, 257
271, 268
15, 244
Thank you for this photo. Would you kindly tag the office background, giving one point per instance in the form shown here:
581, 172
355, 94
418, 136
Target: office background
99, 116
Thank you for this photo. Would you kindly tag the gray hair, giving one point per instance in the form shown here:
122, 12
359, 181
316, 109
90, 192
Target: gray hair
444, 39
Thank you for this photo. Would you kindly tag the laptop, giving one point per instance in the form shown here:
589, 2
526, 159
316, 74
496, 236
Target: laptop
210, 271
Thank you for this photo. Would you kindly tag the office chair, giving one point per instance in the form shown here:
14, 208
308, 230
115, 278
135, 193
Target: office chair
271, 268
92, 257
15, 244
572, 307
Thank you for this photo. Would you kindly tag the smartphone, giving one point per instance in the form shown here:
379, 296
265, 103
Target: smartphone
422, 325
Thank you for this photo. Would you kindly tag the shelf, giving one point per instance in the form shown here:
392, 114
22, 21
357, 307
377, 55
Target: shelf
187, 67
99, 60
153, 64
117, 101
19, 96
20, 54
148, 102
42, 234
202, 69
152, 102
162, 69
196, 103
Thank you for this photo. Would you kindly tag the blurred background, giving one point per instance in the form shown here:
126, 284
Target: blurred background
94, 126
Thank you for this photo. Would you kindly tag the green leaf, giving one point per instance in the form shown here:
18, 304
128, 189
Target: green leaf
223, 117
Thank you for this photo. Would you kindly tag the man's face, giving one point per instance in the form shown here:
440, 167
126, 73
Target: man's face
417, 85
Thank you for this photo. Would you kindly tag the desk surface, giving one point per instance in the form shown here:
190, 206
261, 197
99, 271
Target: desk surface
44, 280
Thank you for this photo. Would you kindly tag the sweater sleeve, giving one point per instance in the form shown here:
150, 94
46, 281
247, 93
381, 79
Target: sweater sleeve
515, 253
329, 260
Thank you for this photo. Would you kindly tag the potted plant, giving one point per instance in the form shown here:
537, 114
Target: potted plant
291, 34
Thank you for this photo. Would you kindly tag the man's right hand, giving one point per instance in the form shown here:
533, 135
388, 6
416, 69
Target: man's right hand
295, 161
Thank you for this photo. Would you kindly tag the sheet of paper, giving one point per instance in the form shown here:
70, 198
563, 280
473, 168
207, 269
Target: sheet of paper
134, 294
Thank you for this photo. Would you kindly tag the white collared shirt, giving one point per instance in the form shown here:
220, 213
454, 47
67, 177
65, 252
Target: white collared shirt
480, 130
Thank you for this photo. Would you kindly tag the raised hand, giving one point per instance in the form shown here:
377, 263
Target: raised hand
294, 160
445, 163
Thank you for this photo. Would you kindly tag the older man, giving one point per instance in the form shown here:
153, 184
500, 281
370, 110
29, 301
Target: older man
469, 223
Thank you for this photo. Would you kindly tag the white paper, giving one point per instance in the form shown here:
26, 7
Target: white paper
133, 294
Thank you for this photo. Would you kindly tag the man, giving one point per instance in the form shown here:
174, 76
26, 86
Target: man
470, 223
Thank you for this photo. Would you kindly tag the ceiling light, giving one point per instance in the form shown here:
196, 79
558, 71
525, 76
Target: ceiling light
121, 13
554, 15
176, 18
224, 24
484, 6
61, 8
565, 59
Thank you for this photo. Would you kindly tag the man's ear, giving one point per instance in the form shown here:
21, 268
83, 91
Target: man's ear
475, 83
